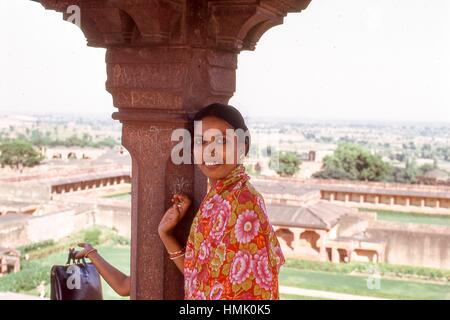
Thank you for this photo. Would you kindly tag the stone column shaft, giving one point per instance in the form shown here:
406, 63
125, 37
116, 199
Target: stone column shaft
157, 91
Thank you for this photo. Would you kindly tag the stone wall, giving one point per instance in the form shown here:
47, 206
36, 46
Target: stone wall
414, 244
114, 217
25, 191
55, 226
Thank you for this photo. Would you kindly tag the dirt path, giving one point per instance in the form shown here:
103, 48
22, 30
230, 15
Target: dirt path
324, 294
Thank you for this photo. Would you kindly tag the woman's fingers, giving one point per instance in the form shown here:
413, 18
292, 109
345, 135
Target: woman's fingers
182, 197
178, 196
172, 216
182, 201
85, 245
79, 254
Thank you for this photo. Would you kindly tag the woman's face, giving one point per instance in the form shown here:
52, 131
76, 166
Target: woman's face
216, 148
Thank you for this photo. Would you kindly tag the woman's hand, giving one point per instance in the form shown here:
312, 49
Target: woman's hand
82, 253
174, 214
120, 282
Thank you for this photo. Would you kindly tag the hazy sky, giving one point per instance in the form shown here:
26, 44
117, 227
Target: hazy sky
343, 59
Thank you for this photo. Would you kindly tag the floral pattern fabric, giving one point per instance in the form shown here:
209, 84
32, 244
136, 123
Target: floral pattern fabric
232, 251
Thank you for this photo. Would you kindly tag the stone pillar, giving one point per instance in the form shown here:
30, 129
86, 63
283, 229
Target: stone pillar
297, 243
322, 243
381, 255
156, 91
165, 60
392, 201
375, 257
335, 258
332, 197
3, 266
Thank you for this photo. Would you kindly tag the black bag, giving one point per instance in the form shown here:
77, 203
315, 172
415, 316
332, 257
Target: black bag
76, 281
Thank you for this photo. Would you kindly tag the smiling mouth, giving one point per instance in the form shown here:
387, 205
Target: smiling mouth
211, 163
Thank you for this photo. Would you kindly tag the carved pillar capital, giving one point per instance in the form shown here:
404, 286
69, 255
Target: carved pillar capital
172, 80
227, 25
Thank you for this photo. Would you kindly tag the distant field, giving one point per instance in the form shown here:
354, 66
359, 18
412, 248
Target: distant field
120, 196
397, 282
290, 276
410, 217
120, 258
298, 297
327, 281
357, 284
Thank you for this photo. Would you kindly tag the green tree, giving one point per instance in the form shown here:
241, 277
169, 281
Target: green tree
105, 142
407, 174
411, 170
353, 162
19, 152
435, 163
285, 163
423, 169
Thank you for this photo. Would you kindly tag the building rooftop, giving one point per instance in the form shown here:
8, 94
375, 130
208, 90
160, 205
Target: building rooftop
437, 174
320, 215
269, 186
302, 187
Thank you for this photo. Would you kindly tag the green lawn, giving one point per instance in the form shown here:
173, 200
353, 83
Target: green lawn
298, 297
353, 284
291, 276
120, 196
410, 217
118, 256
344, 283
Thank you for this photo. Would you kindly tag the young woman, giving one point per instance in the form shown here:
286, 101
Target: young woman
232, 251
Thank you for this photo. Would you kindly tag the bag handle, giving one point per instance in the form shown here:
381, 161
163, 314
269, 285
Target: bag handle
83, 261
71, 257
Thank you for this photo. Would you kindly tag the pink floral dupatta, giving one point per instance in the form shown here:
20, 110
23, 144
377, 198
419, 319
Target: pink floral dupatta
232, 251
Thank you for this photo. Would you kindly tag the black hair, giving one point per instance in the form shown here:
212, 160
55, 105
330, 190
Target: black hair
227, 113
